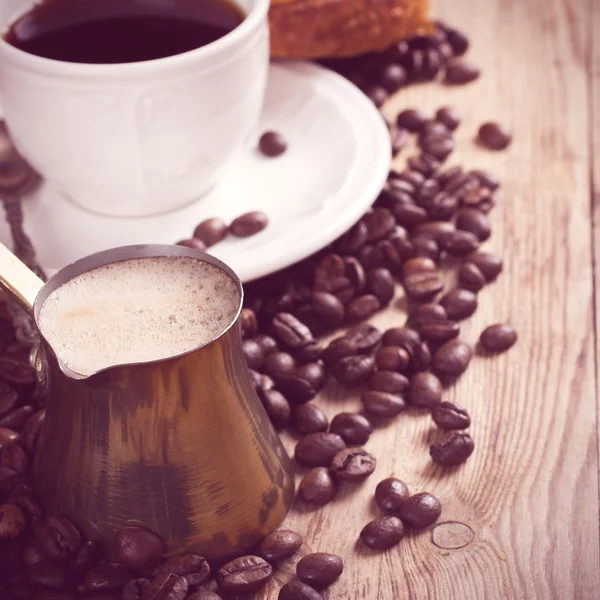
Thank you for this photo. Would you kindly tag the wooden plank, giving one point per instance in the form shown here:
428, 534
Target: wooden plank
530, 491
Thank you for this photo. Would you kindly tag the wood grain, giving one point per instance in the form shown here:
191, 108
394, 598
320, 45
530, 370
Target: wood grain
530, 491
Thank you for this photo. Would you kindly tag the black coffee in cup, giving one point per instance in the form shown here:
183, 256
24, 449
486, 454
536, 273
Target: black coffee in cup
121, 31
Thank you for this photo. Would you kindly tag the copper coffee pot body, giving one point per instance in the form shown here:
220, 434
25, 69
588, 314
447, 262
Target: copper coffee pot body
181, 446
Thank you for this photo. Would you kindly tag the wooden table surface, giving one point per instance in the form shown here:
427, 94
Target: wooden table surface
529, 493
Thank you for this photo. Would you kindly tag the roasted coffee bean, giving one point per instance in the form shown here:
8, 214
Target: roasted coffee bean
452, 449
249, 224
192, 243
427, 313
473, 220
498, 338
58, 538
318, 449
272, 144
317, 487
192, 567
256, 379
450, 416
168, 586
328, 308
450, 174
279, 364
49, 573
107, 576
380, 283
420, 359
409, 215
442, 207
202, 595
438, 146
459, 43
135, 588
353, 464
400, 186
439, 333
85, 559
388, 381
276, 406
392, 358
8, 398
399, 138
377, 95
362, 308
267, 343
356, 274
459, 304
412, 119
12, 521
434, 229
382, 404
459, 243
380, 222
432, 64
470, 277
320, 569
288, 330
382, 533
490, 265
425, 247
486, 179
427, 191
313, 373
452, 358
425, 390
280, 544
494, 136
16, 418
365, 336
393, 77
390, 494
421, 279
459, 73
354, 371
249, 323
448, 116
402, 337
338, 349
296, 389
253, 354
413, 177
244, 575
424, 163
7, 436
330, 274
420, 510
309, 353
355, 429
309, 418
211, 231
15, 458
434, 127
298, 590
354, 239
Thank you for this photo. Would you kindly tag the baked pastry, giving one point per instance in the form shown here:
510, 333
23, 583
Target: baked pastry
342, 28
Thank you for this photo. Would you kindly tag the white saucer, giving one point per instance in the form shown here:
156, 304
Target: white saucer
336, 164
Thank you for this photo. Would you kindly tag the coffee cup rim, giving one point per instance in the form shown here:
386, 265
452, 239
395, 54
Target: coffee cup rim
256, 15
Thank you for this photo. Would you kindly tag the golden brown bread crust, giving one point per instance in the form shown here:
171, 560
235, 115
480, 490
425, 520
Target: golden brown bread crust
341, 28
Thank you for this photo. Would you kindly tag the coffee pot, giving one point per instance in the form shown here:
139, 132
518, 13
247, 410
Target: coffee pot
181, 446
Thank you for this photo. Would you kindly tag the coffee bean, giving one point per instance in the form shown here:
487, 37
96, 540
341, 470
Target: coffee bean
382, 404
318, 449
309, 353
479, 198
439, 333
459, 43
459, 304
7, 436
382, 533
390, 494
8, 398
427, 313
412, 119
425, 390
380, 222
309, 418
459, 243
329, 269
16, 418
298, 590
106, 576
424, 163
276, 406
134, 589
320, 569
442, 207
280, 544
192, 567
15, 458
296, 389
425, 247
249, 323
338, 349
202, 595
211, 231
452, 358
392, 358
470, 277
353, 464
12, 521
328, 308
413, 177
192, 243
272, 144
244, 575
85, 559
473, 220
288, 330
167, 586
267, 343
448, 116
279, 364
356, 274
421, 279
459, 73
409, 215
317, 487
399, 138
58, 538
362, 308
434, 229
452, 449
377, 94
354, 429
393, 77
50, 574
388, 381
450, 416
354, 239
438, 146
354, 371
365, 336
253, 354
434, 127
402, 337
486, 179
401, 189
249, 224
313, 373
420, 510
489, 264
494, 136
498, 338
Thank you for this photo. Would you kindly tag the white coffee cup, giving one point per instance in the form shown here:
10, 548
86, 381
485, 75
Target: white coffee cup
141, 138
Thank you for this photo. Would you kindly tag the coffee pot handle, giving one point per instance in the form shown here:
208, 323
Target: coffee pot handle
20, 281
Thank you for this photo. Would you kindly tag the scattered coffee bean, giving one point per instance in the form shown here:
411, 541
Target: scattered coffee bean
399, 137
168, 586
338, 349
318, 449
459, 243
420, 510
137, 548
449, 117
211, 231
450, 416
490, 265
280, 544
382, 533
390, 494
439, 333
380, 222
58, 538
296, 389
382, 404
424, 163
328, 308
320, 569
459, 304
192, 567
244, 575
272, 144
486, 179
412, 119
388, 381
279, 364
452, 449
392, 358
276, 406
267, 343
353, 464
193, 243
452, 358
473, 220
291, 332
438, 146
498, 338
494, 136
458, 42
354, 371
425, 390
409, 215
459, 73
298, 590
312, 372
402, 337
309, 418
362, 308
107, 576
317, 487
470, 277
253, 354
378, 95
249, 224
12, 521
366, 337
354, 429
393, 77
421, 278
